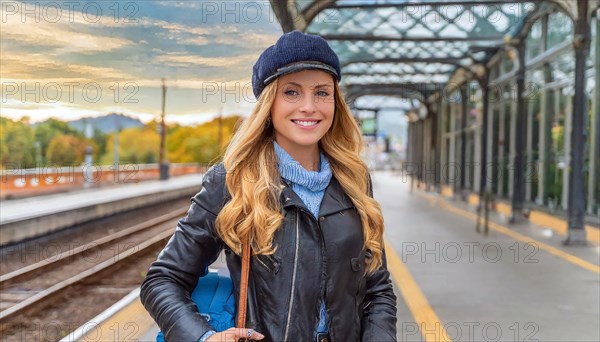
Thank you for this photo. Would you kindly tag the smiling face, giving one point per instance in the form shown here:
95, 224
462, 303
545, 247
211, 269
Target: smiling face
303, 109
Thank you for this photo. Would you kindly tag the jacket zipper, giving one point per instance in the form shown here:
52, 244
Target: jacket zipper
323, 252
287, 326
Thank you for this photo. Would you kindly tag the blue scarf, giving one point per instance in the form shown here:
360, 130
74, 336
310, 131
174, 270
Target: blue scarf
309, 185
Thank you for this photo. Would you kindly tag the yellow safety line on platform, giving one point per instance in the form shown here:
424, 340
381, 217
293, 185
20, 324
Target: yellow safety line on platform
128, 324
517, 236
431, 328
560, 225
538, 218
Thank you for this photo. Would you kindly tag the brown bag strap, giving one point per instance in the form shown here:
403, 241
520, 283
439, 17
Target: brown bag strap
241, 322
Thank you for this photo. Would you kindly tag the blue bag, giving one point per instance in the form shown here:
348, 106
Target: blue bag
215, 300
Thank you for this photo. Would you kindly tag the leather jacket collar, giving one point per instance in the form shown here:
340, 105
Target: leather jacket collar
334, 198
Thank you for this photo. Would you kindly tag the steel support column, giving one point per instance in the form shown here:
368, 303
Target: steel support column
484, 83
439, 143
577, 192
594, 196
547, 112
434, 143
410, 147
376, 114
518, 194
548, 108
285, 18
419, 161
463, 138
426, 151
451, 162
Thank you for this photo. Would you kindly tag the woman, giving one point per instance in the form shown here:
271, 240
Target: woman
293, 183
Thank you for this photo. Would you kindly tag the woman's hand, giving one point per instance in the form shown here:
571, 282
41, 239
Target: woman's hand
234, 334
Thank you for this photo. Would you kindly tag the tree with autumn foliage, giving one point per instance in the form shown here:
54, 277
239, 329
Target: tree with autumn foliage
61, 145
67, 150
137, 145
47, 130
200, 144
16, 143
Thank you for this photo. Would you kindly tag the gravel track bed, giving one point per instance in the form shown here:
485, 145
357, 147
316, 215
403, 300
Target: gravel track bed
18, 256
84, 261
82, 303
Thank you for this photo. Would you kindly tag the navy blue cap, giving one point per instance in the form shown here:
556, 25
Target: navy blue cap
293, 51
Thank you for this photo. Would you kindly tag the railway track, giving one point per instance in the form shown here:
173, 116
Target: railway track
32, 289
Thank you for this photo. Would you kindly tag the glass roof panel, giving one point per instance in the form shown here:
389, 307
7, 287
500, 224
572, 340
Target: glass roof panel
303, 4
389, 45
396, 78
395, 2
362, 50
418, 20
406, 68
382, 102
407, 90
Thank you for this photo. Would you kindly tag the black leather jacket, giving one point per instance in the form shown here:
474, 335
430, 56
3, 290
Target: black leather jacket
313, 257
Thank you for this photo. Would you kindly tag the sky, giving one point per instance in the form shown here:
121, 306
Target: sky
90, 58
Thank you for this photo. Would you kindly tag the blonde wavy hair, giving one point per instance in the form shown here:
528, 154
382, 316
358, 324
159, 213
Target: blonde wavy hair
253, 180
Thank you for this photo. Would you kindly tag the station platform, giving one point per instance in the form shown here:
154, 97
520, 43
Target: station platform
517, 283
21, 219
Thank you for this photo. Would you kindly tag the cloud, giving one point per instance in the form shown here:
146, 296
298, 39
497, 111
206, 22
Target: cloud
180, 28
16, 109
180, 4
241, 85
180, 59
41, 68
64, 33
253, 39
41, 111
200, 40
37, 50
215, 34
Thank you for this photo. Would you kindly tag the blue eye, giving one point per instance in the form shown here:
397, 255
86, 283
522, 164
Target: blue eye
290, 92
322, 93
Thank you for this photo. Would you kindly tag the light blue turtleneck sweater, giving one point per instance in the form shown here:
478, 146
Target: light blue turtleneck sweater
310, 187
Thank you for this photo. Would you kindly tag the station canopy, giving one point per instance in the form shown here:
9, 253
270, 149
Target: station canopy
408, 48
